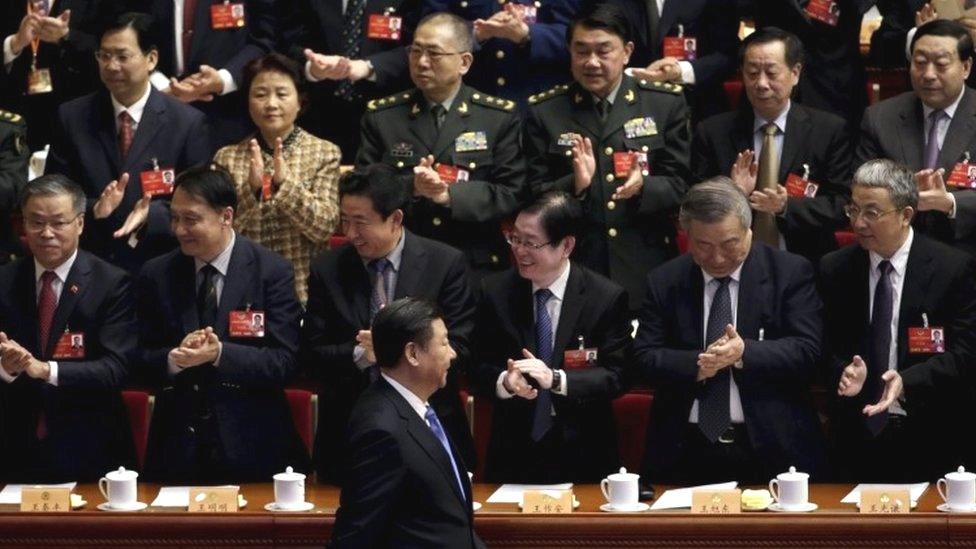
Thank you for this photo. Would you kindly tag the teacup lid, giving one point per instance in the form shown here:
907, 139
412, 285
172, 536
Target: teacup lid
792, 474
121, 474
289, 474
623, 475
961, 474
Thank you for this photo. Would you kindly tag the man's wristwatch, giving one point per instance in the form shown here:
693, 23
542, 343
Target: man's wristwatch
557, 380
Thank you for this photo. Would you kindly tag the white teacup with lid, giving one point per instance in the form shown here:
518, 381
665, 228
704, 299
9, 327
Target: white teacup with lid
958, 490
791, 490
289, 489
119, 488
621, 489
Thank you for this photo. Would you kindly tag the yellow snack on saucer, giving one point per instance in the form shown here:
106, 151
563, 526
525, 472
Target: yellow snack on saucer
756, 500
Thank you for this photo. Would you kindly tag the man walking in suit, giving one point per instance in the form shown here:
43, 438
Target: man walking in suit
932, 131
119, 144
554, 348
900, 395
221, 413
806, 146
405, 484
457, 150
617, 144
382, 262
729, 337
67, 336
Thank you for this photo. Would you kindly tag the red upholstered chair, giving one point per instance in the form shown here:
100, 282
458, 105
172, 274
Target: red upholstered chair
844, 238
733, 91
480, 409
337, 241
632, 412
305, 413
139, 405
681, 237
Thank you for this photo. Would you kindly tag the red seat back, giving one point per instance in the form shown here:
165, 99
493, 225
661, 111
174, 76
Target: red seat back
139, 405
632, 412
304, 412
844, 238
733, 91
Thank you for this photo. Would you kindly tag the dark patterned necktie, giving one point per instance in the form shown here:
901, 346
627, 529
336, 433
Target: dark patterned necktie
880, 346
713, 400
542, 416
352, 33
207, 297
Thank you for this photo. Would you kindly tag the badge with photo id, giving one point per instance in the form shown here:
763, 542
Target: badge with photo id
158, 181
70, 346
682, 48
247, 323
963, 175
384, 27
578, 359
825, 11
452, 174
227, 16
623, 161
798, 187
926, 340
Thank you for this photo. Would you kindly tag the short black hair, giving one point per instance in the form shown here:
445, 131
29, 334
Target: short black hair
275, 62
377, 182
952, 29
560, 215
54, 184
140, 23
212, 184
606, 17
406, 320
791, 44
461, 29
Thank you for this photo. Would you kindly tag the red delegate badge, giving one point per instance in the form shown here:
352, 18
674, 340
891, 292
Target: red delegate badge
963, 176
246, 323
622, 162
452, 174
682, 48
825, 11
71, 345
227, 16
799, 187
384, 27
158, 181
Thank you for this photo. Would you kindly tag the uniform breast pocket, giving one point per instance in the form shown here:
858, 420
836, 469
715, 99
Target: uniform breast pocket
560, 154
648, 144
475, 162
400, 158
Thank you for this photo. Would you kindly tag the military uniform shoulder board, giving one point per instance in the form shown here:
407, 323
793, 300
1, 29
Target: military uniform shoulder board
493, 102
548, 94
389, 101
664, 87
7, 116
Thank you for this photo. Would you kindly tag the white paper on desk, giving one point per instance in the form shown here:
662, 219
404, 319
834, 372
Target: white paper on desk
680, 498
915, 491
174, 496
10, 495
512, 493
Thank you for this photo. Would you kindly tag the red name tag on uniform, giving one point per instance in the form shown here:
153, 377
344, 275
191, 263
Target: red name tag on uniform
384, 27
825, 11
71, 345
227, 16
622, 162
578, 359
452, 174
926, 340
266, 186
681, 48
528, 13
246, 323
158, 182
963, 176
797, 187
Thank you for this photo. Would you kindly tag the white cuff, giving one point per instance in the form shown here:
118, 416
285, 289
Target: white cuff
687, 72
53, 377
359, 357
7, 378
220, 351
563, 388
500, 391
308, 72
159, 81
952, 210
171, 366
8, 50
229, 85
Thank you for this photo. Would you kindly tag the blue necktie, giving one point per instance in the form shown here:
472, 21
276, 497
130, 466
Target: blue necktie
880, 347
379, 297
542, 416
713, 400
438, 429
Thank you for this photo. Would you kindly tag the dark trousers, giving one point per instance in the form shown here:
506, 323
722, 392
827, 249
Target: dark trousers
729, 458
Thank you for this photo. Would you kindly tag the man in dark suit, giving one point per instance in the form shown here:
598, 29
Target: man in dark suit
205, 66
344, 298
458, 150
221, 413
932, 129
809, 146
729, 337
65, 33
404, 483
354, 52
554, 347
619, 145
14, 157
901, 395
713, 25
113, 140
63, 418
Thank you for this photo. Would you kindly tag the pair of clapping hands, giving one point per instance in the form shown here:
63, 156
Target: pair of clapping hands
17, 359
584, 167
198, 347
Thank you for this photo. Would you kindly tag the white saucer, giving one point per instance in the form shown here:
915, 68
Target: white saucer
809, 506
137, 506
638, 508
307, 506
944, 507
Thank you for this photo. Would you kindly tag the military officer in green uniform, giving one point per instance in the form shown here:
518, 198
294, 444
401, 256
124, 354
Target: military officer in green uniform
14, 156
619, 145
458, 150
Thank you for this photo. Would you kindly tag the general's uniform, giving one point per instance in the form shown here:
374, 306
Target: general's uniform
622, 239
479, 139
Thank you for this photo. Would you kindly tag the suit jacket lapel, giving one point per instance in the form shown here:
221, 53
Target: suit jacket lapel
72, 292
910, 135
572, 306
666, 20
524, 303
353, 275
413, 265
455, 123
103, 119
236, 282
26, 285
918, 273
185, 270
152, 123
692, 299
752, 278
330, 13
742, 133
960, 133
795, 139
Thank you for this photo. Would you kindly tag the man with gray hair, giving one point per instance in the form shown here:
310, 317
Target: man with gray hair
729, 337
68, 334
898, 394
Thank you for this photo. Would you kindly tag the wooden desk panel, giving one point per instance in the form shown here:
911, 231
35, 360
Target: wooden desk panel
500, 525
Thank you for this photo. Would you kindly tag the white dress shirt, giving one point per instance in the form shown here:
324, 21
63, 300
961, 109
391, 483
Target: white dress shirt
161, 81
394, 257
899, 262
135, 110
413, 400
711, 286
757, 132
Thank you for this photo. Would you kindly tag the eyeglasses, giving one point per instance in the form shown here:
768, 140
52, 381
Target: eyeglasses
58, 225
106, 58
870, 215
416, 52
515, 242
